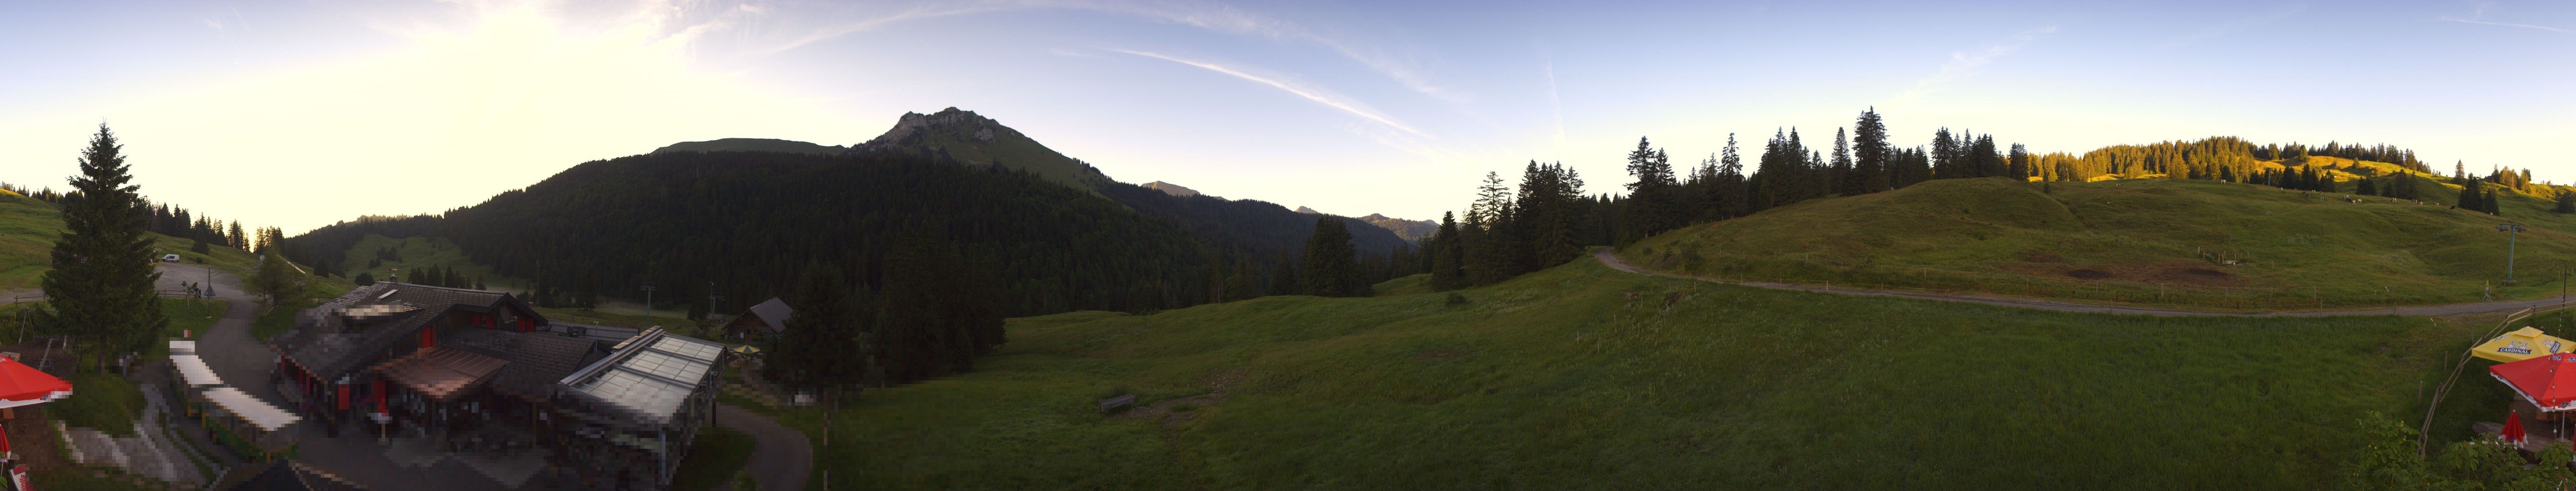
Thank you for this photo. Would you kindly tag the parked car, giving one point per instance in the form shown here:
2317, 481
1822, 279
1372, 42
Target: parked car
170, 257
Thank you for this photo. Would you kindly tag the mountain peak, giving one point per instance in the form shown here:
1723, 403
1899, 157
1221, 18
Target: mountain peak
968, 138
973, 127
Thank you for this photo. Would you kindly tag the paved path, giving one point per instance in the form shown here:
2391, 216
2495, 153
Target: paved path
781, 459
227, 346
1612, 260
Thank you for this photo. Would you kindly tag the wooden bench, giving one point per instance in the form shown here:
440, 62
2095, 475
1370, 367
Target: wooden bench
1113, 404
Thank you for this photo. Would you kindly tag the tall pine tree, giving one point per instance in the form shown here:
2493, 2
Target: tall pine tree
101, 282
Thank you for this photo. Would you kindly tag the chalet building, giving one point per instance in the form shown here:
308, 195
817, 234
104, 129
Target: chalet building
763, 321
474, 370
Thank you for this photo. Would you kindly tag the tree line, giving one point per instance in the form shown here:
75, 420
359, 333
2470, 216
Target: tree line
1548, 220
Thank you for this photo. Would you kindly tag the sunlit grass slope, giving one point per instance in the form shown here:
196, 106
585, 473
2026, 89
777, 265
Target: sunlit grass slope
28, 228
1580, 377
2138, 240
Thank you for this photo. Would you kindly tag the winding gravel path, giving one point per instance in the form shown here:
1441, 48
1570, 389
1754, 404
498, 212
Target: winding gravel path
1610, 259
780, 458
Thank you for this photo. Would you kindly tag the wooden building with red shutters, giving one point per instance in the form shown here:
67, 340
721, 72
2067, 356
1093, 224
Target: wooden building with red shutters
418, 359
481, 370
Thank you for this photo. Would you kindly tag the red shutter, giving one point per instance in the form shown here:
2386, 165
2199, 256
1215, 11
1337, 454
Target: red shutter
429, 337
380, 395
344, 396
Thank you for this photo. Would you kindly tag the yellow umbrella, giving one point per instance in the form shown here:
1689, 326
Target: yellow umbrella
2522, 344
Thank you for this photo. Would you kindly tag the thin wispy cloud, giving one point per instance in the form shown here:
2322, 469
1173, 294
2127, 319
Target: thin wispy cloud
1964, 63
1203, 15
1227, 19
915, 12
2240, 24
2505, 24
1319, 96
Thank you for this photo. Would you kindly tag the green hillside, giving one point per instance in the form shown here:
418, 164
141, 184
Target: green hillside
1580, 377
752, 145
970, 138
2165, 241
28, 228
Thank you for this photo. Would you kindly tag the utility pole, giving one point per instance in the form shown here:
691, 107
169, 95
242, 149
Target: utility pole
2511, 230
648, 304
712, 297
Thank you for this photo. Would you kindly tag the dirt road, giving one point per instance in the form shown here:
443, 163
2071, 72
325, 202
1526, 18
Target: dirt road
1612, 260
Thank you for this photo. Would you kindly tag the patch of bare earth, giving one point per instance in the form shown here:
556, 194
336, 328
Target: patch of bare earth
1177, 411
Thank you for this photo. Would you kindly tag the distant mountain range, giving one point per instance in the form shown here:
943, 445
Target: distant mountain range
1408, 229
1171, 189
753, 145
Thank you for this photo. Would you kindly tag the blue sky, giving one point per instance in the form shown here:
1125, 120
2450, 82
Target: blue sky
249, 110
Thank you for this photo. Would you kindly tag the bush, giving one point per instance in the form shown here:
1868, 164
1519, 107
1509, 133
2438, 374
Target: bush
1456, 299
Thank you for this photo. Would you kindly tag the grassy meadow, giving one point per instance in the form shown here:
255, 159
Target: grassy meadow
2155, 241
28, 228
1581, 377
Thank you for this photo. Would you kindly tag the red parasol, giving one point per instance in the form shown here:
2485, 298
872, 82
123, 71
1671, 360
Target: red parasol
2513, 428
22, 385
2548, 381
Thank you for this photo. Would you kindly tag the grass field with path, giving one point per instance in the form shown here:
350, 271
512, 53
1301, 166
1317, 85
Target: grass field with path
2148, 241
1580, 377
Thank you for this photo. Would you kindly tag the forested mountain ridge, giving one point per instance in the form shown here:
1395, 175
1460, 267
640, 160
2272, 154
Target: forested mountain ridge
752, 145
753, 223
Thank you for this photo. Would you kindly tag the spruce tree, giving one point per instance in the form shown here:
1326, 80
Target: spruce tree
1871, 156
1283, 280
2566, 202
1945, 156
1848, 179
820, 349
1447, 272
102, 276
1330, 268
2469, 199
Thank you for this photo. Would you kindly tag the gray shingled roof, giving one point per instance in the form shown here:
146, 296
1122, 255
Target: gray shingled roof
319, 344
774, 313
537, 359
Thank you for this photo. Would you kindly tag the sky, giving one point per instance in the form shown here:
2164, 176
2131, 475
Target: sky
301, 114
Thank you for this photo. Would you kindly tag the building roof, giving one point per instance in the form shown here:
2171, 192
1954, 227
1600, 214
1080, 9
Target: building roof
258, 413
441, 372
183, 347
773, 313
649, 377
194, 372
324, 341
282, 475
537, 359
